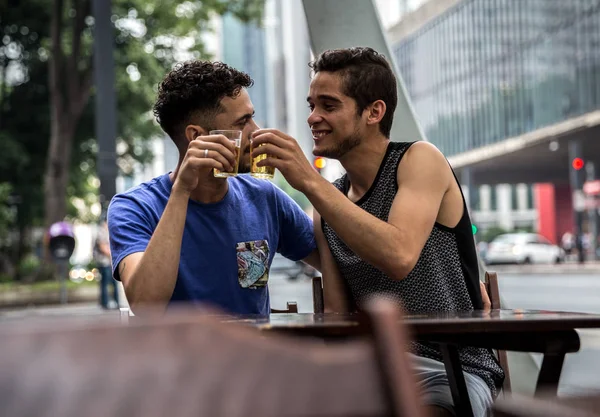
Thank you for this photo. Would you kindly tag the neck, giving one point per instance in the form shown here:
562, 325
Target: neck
209, 189
362, 164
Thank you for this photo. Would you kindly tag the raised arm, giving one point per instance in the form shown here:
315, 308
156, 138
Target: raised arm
393, 247
423, 180
149, 275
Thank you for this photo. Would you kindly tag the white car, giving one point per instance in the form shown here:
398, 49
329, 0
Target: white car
523, 248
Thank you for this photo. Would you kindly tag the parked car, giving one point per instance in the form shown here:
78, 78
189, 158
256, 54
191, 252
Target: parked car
523, 248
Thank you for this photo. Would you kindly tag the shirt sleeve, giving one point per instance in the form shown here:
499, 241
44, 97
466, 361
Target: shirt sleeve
297, 239
130, 229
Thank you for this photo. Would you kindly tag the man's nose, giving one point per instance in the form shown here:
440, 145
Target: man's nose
314, 118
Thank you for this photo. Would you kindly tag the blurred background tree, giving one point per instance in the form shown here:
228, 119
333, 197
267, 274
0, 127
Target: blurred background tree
47, 144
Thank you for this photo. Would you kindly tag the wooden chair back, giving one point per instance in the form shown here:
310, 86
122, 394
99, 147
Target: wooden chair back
292, 307
317, 293
493, 290
188, 364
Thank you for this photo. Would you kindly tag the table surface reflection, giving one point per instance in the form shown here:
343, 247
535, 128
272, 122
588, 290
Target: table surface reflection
437, 322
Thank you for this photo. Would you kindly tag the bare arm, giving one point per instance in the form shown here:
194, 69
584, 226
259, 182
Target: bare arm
104, 248
394, 246
313, 259
149, 277
334, 295
423, 179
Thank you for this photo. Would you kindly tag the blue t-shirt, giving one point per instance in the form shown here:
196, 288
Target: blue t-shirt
227, 247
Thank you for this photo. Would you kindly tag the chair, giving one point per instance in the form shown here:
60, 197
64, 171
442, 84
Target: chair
493, 290
318, 301
292, 307
317, 292
187, 364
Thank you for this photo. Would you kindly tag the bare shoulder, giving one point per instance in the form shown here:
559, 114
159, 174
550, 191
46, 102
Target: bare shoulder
424, 152
425, 160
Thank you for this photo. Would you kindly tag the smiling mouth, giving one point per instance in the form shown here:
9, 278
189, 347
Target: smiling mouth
320, 134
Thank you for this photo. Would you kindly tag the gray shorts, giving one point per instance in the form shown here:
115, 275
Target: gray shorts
433, 381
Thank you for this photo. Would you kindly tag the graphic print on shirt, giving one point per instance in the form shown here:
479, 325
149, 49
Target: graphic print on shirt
253, 263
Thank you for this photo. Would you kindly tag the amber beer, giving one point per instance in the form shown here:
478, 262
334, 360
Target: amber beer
236, 137
265, 172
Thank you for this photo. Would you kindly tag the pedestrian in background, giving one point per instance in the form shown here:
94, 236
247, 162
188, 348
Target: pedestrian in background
102, 258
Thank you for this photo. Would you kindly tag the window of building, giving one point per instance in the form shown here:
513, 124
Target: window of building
530, 202
476, 199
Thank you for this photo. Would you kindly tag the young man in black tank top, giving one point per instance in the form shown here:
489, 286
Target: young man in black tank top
394, 221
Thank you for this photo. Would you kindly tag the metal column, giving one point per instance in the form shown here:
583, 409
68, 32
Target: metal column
106, 111
576, 182
592, 212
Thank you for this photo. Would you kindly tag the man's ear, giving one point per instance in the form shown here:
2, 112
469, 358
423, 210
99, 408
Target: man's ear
375, 112
193, 131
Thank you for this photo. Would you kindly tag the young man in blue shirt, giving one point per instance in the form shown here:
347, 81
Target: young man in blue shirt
188, 236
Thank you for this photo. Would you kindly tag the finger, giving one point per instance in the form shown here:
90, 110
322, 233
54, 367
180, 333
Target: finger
228, 143
203, 163
271, 138
276, 132
270, 150
487, 304
270, 162
215, 151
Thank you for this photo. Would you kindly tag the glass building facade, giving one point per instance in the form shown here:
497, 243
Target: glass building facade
487, 70
243, 47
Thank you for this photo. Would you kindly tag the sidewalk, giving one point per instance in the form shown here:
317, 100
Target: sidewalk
588, 268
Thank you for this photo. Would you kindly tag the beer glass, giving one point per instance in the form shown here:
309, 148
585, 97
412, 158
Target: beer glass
264, 172
234, 136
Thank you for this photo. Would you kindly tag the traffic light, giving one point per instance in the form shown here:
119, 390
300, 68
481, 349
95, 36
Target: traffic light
474, 229
319, 163
577, 164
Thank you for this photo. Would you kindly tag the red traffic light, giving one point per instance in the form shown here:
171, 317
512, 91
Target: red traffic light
577, 164
320, 162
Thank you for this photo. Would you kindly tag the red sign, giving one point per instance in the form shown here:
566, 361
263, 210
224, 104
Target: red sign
592, 187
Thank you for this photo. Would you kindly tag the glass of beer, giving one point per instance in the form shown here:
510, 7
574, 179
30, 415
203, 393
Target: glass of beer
265, 172
234, 136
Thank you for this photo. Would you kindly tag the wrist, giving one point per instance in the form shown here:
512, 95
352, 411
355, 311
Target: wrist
311, 184
179, 191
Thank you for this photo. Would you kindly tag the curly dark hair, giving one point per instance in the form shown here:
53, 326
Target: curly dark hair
193, 91
366, 77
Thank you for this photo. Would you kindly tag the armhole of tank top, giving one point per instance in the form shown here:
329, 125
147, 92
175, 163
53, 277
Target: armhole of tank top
465, 210
409, 144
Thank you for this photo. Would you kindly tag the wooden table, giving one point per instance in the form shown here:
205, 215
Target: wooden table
549, 332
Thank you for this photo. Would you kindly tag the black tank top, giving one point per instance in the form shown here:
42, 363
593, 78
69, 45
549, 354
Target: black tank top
445, 278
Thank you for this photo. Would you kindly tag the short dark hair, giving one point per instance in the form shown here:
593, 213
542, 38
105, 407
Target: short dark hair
366, 77
194, 89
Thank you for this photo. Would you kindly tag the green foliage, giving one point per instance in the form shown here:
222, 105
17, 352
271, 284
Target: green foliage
6, 214
29, 264
150, 36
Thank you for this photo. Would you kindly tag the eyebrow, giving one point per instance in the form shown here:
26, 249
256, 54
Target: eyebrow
246, 116
325, 97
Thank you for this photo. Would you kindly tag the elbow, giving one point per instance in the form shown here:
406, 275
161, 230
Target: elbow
403, 266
